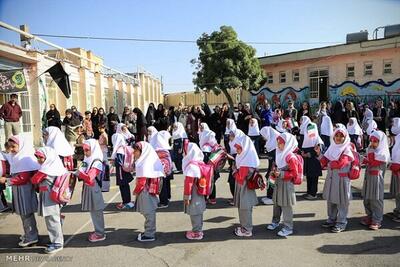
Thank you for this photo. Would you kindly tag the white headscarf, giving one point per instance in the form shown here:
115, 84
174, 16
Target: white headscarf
372, 126
248, 157
290, 146
368, 114
161, 141
304, 121
204, 126
148, 165
253, 130
53, 165
279, 126
24, 160
326, 125
382, 151
207, 140
127, 135
56, 139
336, 150
311, 136
96, 153
193, 154
355, 128
118, 141
179, 133
238, 134
230, 126
269, 134
153, 131
396, 126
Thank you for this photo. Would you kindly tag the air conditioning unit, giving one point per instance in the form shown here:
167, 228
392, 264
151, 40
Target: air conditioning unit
357, 37
391, 31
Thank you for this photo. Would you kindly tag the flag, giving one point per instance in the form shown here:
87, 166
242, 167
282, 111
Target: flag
312, 130
59, 75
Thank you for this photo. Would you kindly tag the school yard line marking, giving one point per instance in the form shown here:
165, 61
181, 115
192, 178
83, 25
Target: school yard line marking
78, 231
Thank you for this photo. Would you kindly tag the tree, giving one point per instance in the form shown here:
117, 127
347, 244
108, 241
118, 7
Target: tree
225, 63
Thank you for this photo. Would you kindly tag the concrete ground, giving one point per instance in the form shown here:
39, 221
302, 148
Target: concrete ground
310, 245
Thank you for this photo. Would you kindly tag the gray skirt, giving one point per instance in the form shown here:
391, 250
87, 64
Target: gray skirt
337, 190
146, 203
47, 207
244, 198
373, 187
395, 185
284, 194
197, 203
92, 198
24, 199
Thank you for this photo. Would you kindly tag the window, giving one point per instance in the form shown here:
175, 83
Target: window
368, 68
387, 67
270, 77
296, 76
75, 94
350, 70
92, 97
282, 77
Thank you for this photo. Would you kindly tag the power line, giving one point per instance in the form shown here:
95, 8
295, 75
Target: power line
169, 40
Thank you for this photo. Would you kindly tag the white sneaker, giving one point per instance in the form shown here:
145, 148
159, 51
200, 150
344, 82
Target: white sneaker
267, 201
285, 232
272, 226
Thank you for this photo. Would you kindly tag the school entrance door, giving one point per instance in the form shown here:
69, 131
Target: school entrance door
319, 84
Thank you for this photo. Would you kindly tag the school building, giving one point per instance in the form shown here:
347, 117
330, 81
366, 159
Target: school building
91, 85
360, 69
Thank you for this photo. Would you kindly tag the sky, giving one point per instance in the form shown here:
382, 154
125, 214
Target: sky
254, 20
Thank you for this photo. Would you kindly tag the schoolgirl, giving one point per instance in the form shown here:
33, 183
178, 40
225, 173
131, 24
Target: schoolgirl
51, 167
312, 166
160, 143
231, 127
122, 177
395, 168
246, 163
194, 203
123, 129
355, 133
378, 156
284, 195
92, 197
23, 166
54, 138
326, 129
254, 133
270, 135
149, 171
337, 188
178, 136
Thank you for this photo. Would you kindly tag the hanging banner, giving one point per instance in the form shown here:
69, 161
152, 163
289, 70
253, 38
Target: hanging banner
12, 81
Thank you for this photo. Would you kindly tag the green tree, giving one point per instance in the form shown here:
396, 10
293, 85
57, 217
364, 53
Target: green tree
225, 63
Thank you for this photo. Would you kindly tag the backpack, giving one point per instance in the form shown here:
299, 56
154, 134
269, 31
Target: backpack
355, 168
61, 192
165, 159
300, 163
256, 181
127, 165
155, 185
205, 182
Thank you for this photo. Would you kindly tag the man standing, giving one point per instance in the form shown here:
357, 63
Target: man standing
11, 112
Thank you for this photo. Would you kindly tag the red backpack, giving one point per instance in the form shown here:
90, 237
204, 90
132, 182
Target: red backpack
355, 168
256, 181
205, 182
127, 165
300, 163
61, 192
218, 158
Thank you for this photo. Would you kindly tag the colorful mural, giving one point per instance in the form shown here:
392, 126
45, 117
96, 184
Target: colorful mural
360, 93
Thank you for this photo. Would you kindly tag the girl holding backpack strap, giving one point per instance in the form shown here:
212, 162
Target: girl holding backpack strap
54, 138
92, 197
378, 156
51, 167
287, 169
123, 178
23, 166
338, 159
149, 172
246, 163
395, 168
194, 203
